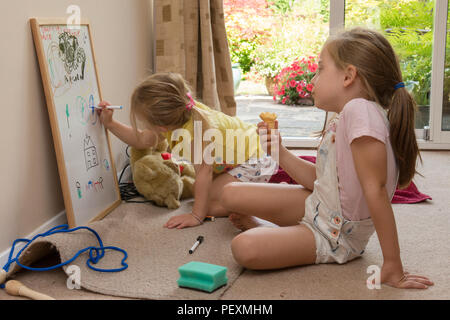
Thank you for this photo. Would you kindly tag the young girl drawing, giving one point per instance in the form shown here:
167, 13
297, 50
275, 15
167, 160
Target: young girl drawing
162, 103
346, 196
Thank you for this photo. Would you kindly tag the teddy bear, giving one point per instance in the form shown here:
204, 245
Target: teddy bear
159, 178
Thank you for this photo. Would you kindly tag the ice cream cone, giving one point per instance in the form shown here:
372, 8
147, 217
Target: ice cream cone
269, 118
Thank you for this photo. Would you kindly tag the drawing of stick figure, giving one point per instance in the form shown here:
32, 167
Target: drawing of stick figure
82, 109
77, 184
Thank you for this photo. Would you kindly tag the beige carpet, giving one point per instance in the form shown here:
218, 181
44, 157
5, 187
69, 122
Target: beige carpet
423, 231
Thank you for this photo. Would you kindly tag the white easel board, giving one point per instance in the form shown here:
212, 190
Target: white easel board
83, 151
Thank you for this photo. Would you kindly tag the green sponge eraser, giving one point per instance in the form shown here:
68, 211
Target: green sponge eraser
202, 276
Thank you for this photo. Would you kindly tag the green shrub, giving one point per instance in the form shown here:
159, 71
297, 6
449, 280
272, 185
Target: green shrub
300, 32
407, 24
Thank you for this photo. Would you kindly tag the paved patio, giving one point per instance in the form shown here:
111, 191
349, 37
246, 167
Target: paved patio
299, 121
293, 121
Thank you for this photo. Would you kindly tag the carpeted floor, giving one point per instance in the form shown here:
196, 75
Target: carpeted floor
423, 231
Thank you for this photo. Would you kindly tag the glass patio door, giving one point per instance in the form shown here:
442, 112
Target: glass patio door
440, 93
424, 53
419, 32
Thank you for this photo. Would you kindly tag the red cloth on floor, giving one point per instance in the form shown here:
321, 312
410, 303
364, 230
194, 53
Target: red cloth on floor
408, 195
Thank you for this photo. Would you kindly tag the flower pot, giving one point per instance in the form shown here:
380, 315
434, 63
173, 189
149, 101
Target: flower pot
270, 85
237, 76
305, 102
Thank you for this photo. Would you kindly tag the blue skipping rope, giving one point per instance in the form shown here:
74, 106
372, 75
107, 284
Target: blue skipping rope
95, 253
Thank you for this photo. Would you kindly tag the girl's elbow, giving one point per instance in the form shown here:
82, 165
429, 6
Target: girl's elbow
374, 190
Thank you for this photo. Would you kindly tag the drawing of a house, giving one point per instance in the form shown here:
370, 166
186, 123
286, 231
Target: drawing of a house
90, 153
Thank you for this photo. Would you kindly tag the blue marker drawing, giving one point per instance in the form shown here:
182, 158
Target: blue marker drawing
91, 103
106, 164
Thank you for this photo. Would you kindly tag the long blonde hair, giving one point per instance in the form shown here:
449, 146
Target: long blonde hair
161, 100
378, 67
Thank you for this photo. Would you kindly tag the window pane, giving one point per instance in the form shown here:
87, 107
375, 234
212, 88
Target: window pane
408, 25
446, 102
265, 38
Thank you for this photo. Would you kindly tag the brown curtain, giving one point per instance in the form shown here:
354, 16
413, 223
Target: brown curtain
191, 40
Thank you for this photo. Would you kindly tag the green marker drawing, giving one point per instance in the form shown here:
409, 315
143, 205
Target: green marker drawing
67, 114
79, 190
51, 67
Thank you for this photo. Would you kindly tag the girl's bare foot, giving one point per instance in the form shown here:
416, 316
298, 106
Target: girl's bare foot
243, 222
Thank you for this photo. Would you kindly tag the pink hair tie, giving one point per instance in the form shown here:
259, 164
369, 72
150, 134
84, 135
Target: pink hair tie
191, 103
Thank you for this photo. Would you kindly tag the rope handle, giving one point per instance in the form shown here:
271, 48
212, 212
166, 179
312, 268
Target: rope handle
95, 253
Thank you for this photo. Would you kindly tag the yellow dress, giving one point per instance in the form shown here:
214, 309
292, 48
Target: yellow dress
235, 134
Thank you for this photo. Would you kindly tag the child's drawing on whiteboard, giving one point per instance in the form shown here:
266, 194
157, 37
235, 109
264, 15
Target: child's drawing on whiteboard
57, 71
78, 185
72, 55
93, 116
99, 184
84, 110
90, 153
67, 62
106, 164
95, 185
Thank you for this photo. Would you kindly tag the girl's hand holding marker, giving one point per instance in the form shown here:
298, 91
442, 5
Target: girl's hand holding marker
105, 110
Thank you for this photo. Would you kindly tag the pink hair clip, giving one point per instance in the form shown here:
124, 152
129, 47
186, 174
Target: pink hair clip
191, 103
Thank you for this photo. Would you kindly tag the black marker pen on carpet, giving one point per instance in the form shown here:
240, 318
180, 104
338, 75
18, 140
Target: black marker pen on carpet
196, 244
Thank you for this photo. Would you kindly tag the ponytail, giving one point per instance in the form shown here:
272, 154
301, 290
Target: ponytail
401, 117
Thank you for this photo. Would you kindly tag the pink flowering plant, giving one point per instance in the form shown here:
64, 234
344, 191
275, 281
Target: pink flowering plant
293, 84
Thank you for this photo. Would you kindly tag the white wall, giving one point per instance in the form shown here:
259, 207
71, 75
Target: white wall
30, 191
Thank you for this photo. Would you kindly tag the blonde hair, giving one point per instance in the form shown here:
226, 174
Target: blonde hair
378, 67
161, 100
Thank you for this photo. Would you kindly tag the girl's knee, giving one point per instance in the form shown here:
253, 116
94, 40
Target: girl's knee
244, 249
229, 195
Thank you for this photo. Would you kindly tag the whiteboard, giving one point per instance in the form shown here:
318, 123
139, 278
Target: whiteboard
83, 150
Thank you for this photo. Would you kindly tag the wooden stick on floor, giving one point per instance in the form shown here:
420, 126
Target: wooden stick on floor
2, 276
16, 288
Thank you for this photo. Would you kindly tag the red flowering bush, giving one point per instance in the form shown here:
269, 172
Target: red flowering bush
293, 83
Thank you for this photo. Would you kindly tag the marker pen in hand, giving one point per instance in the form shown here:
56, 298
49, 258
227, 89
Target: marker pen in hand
108, 107
196, 244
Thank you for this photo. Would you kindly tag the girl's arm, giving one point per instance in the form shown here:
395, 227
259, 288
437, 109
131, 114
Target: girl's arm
302, 171
143, 139
202, 186
370, 159
140, 140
